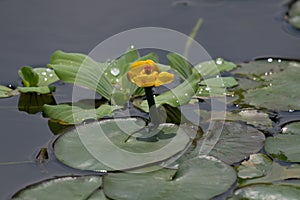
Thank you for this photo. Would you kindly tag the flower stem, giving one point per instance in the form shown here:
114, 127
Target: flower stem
154, 116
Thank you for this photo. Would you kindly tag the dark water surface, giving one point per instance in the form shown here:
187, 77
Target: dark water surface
31, 30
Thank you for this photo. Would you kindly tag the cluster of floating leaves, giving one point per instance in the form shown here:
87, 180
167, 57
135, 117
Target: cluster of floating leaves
198, 173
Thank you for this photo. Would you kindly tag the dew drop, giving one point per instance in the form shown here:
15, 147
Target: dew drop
270, 60
45, 79
291, 110
218, 76
51, 75
115, 71
270, 84
44, 73
177, 101
105, 73
266, 73
279, 60
48, 70
186, 94
131, 46
219, 61
117, 80
173, 97
207, 88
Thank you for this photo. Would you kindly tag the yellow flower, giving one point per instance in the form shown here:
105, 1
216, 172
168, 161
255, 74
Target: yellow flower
147, 74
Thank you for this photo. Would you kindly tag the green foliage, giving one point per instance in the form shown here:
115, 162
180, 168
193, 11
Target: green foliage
69, 187
74, 114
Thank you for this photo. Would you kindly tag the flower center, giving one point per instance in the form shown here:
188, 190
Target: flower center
148, 69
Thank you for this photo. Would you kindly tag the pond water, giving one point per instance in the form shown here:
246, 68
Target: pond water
32, 30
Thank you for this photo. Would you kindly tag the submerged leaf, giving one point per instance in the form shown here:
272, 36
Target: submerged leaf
198, 178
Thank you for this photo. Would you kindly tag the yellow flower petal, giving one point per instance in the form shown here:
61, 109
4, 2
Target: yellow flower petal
146, 74
164, 78
145, 80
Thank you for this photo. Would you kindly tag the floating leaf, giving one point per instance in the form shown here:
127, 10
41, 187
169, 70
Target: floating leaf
262, 191
235, 143
277, 78
73, 187
294, 14
214, 67
69, 114
253, 117
198, 178
109, 141
223, 82
39, 90
284, 147
260, 169
292, 129
258, 165
6, 92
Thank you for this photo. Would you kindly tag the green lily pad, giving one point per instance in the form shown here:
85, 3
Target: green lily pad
294, 15
107, 145
292, 129
223, 82
280, 79
257, 166
260, 169
198, 178
253, 117
72, 187
262, 191
214, 67
6, 92
284, 147
39, 89
69, 114
231, 142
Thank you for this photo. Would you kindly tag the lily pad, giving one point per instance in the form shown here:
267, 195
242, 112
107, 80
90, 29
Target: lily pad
119, 144
253, 117
284, 147
294, 14
198, 178
72, 187
39, 89
280, 79
68, 114
6, 92
214, 67
260, 169
292, 129
231, 142
257, 166
262, 191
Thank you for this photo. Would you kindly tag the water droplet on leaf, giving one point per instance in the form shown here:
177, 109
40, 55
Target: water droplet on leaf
115, 71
